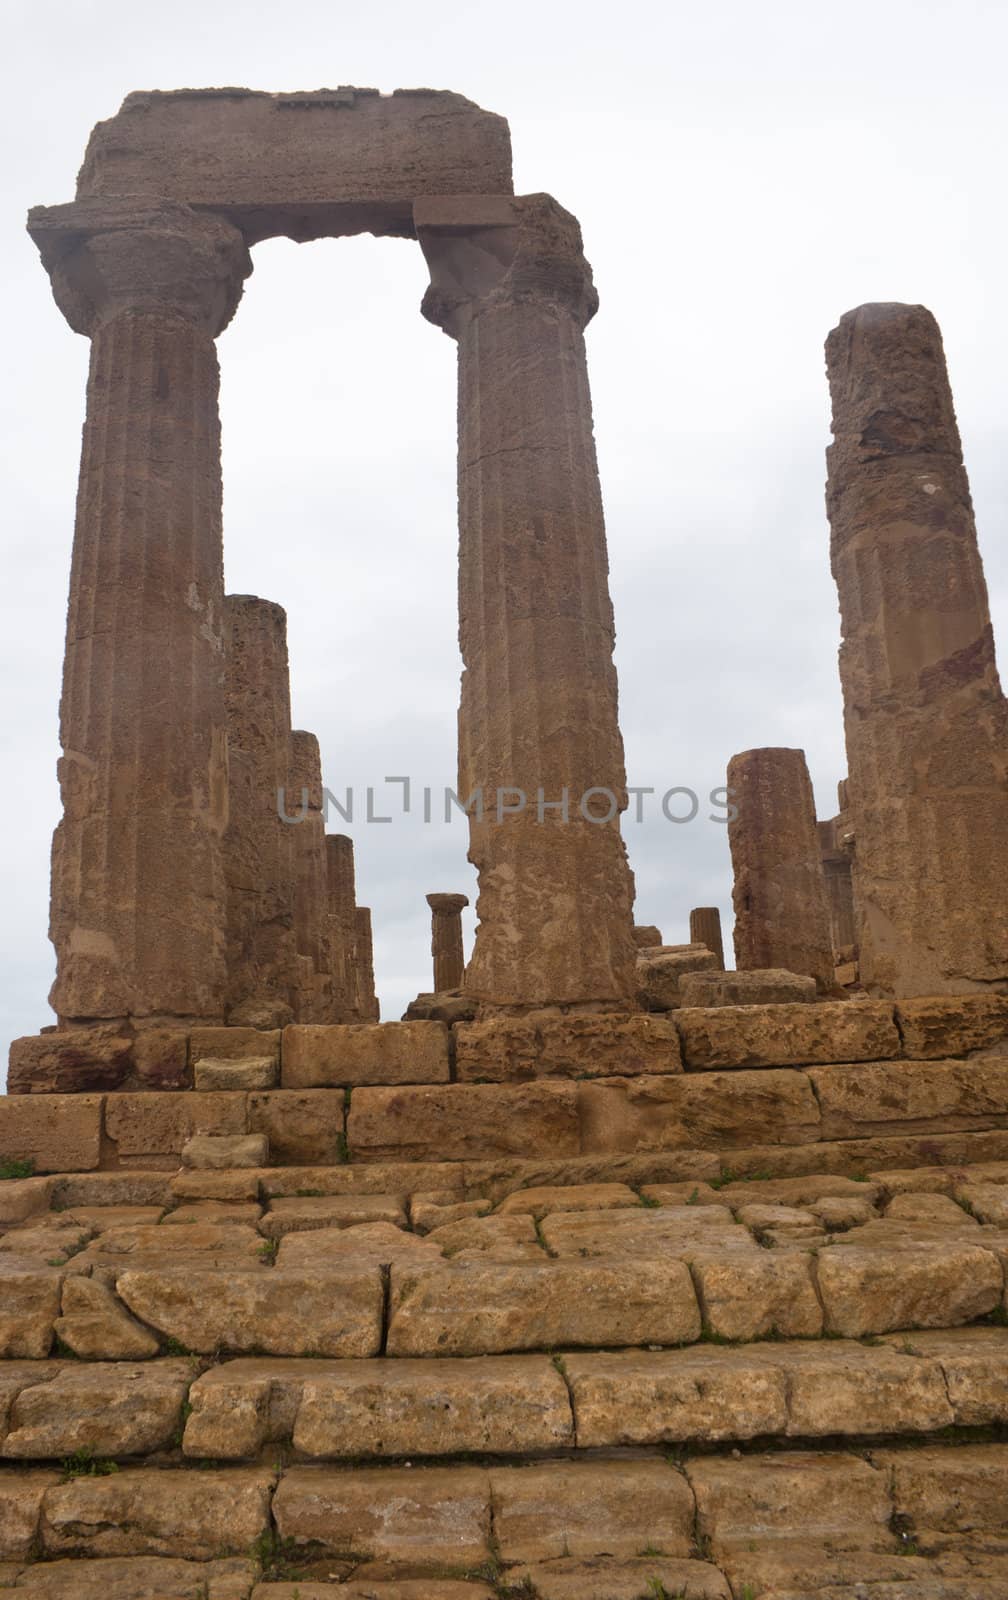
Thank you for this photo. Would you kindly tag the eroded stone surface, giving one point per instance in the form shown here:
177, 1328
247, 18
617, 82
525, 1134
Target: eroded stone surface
787, 1035
106, 1408
463, 1120
365, 1053
140, 1511
438, 1517
547, 1044
579, 1509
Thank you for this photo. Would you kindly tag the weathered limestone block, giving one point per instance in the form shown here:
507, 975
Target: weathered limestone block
436, 1517
837, 1498
70, 1061
587, 1508
486, 1308
746, 1296
781, 915
713, 1112
377, 1177
988, 1202
647, 936
137, 882
312, 1212
926, 721
451, 1008
546, 1044
331, 1311
376, 1243
234, 1043
872, 1291
635, 1397
54, 1132
221, 1212
538, 723
499, 1238
215, 1152
140, 1511
919, 1096
651, 1231
109, 1408
446, 940
352, 158
252, 1072
958, 1491
138, 1578
945, 1027
972, 1366
462, 1120
29, 1305
259, 847
230, 1244
440, 1207
705, 929
602, 1578
772, 987
659, 974
233, 1188
787, 1035
376, 1589
540, 1200
845, 1388
95, 1325
24, 1197
369, 1053
150, 1130
21, 1496
303, 1128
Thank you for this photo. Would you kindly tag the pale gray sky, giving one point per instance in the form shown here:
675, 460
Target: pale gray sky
743, 174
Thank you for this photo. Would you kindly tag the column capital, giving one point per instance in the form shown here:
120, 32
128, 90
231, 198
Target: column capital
488, 250
447, 904
105, 257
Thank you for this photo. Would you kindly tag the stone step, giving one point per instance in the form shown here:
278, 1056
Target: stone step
382, 1408
890, 1522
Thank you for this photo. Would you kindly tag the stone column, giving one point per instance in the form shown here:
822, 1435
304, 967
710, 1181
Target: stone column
925, 719
781, 915
446, 940
138, 895
705, 928
258, 846
311, 891
340, 878
836, 865
538, 714
367, 1003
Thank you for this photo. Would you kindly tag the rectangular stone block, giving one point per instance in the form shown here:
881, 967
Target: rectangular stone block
57, 1133
23, 1197
70, 1061
938, 1286
751, 1296
310, 1213
588, 1508
912, 1097
435, 1516
952, 1025
787, 1035
973, 1362
29, 1306
646, 1233
111, 1408
150, 1130
143, 1511
604, 1578
542, 1045
329, 1311
642, 1397
234, 1044
381, 1178
316, 1056
717, 1111
953, 1491
460, 1121
252, 1072
838, 1499
848, 1388
21, 1496
481, 1308
304, 1128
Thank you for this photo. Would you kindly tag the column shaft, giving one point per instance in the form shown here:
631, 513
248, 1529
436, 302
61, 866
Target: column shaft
342, 925
705, 928
925, 719
311, 897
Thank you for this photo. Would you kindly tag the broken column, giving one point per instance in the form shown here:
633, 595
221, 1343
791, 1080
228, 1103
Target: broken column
836, 853
258, 845
705, 928
367, 1002
313, 1002
138, 894
925, 719
539, 740
446, 940
781, 916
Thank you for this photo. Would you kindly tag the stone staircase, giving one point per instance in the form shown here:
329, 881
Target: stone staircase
579, 1308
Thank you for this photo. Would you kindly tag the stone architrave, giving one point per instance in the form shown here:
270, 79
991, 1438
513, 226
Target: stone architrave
539, 740
925, 718
705, 928
446, 940
258, 846
138, 892
781, 914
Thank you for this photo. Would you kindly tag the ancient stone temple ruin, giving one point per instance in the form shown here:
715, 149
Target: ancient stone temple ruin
608, 1273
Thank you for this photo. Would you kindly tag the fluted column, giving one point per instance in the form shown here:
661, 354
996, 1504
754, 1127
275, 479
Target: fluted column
705, 929
367, 1001
258, 845
925, 719
446, 940
538, 714
311, 891
781, 914
138, 896
342, 924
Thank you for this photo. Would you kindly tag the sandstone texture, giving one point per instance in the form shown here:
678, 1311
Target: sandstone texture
545, 1044
395, 1052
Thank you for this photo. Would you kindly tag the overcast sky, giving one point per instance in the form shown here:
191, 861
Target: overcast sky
743, 174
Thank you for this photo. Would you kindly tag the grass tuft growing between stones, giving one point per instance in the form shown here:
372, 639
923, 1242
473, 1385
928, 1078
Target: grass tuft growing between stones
280, 1560
14, 1168
85, 1464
